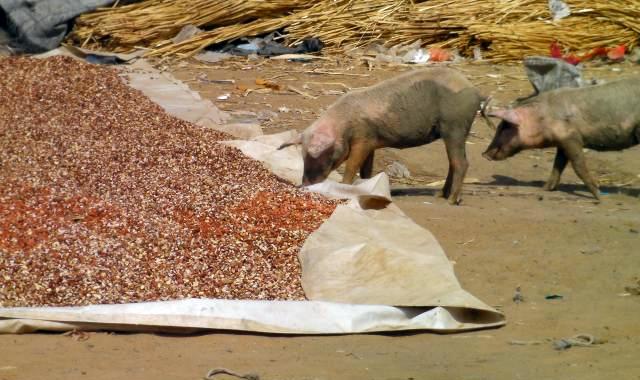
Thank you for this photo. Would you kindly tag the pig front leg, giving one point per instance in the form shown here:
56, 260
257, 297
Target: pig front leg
358, 156
559, 163
573, 150
458, 165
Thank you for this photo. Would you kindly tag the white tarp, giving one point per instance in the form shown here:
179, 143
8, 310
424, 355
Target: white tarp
367, 259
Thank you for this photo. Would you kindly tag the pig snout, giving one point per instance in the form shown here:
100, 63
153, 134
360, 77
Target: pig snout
498, 153
493, 152
505, 143
308, 180
488, 154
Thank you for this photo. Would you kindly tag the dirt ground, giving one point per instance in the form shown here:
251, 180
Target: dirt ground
508, 232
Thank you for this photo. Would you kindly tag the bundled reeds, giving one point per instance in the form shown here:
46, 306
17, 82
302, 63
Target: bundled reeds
506, 29
151, 22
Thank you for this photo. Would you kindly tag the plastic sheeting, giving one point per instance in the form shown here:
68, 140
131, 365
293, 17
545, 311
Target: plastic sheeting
40, 25
367, 259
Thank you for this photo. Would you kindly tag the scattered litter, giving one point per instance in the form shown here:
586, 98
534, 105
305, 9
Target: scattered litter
187, 32
580, 340
525, 342
300, 57
266, 115
8, 368
635, 55
78, 336
633, 289
202, 77
298, 91
316, 71
614, 54
419, 56
427, 203
435, 183
468, 241
341, 85
617, 53
268, 47
269, 84
477, 53
559, 9
96, 57
548, 73
222, 81
441, 182
224, 371
212, 56
332, 92
554, 297
224, 97
517, 296
406, 54
440, 55
283, 109
397, 170
591, 251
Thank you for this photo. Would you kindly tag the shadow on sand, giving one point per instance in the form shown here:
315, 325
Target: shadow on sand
578, 190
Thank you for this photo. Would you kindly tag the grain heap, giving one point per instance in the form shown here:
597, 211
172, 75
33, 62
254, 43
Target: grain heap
104, 198
507, 29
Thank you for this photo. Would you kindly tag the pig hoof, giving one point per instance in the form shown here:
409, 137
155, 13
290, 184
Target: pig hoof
455, 202
443, 194
549, 187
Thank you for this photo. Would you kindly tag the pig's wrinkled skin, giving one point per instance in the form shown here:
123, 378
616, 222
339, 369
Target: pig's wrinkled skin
604, 117
409, 110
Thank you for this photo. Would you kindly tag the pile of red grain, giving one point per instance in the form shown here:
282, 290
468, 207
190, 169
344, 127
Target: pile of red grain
104, 198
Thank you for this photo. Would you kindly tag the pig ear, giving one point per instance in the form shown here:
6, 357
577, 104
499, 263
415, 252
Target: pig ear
323, 137
509, 115
296, 140
320, 142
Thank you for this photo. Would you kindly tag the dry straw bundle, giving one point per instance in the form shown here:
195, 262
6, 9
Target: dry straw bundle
507, 29
150, 22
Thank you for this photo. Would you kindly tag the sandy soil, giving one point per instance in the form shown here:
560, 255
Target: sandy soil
507, 233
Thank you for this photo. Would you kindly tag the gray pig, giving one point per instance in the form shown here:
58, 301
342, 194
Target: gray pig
409, 110
603, 117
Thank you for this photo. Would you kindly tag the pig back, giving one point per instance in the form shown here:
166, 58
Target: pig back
606, 116
406, 110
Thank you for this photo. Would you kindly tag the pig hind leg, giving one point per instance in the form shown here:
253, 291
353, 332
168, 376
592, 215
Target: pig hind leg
367, 167
575, 155
559, 163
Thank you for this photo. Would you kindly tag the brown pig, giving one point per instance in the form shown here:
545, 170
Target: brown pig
409, 110
604, 117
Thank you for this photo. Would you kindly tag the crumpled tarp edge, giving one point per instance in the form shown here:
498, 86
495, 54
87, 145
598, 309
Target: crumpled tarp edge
282, 317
